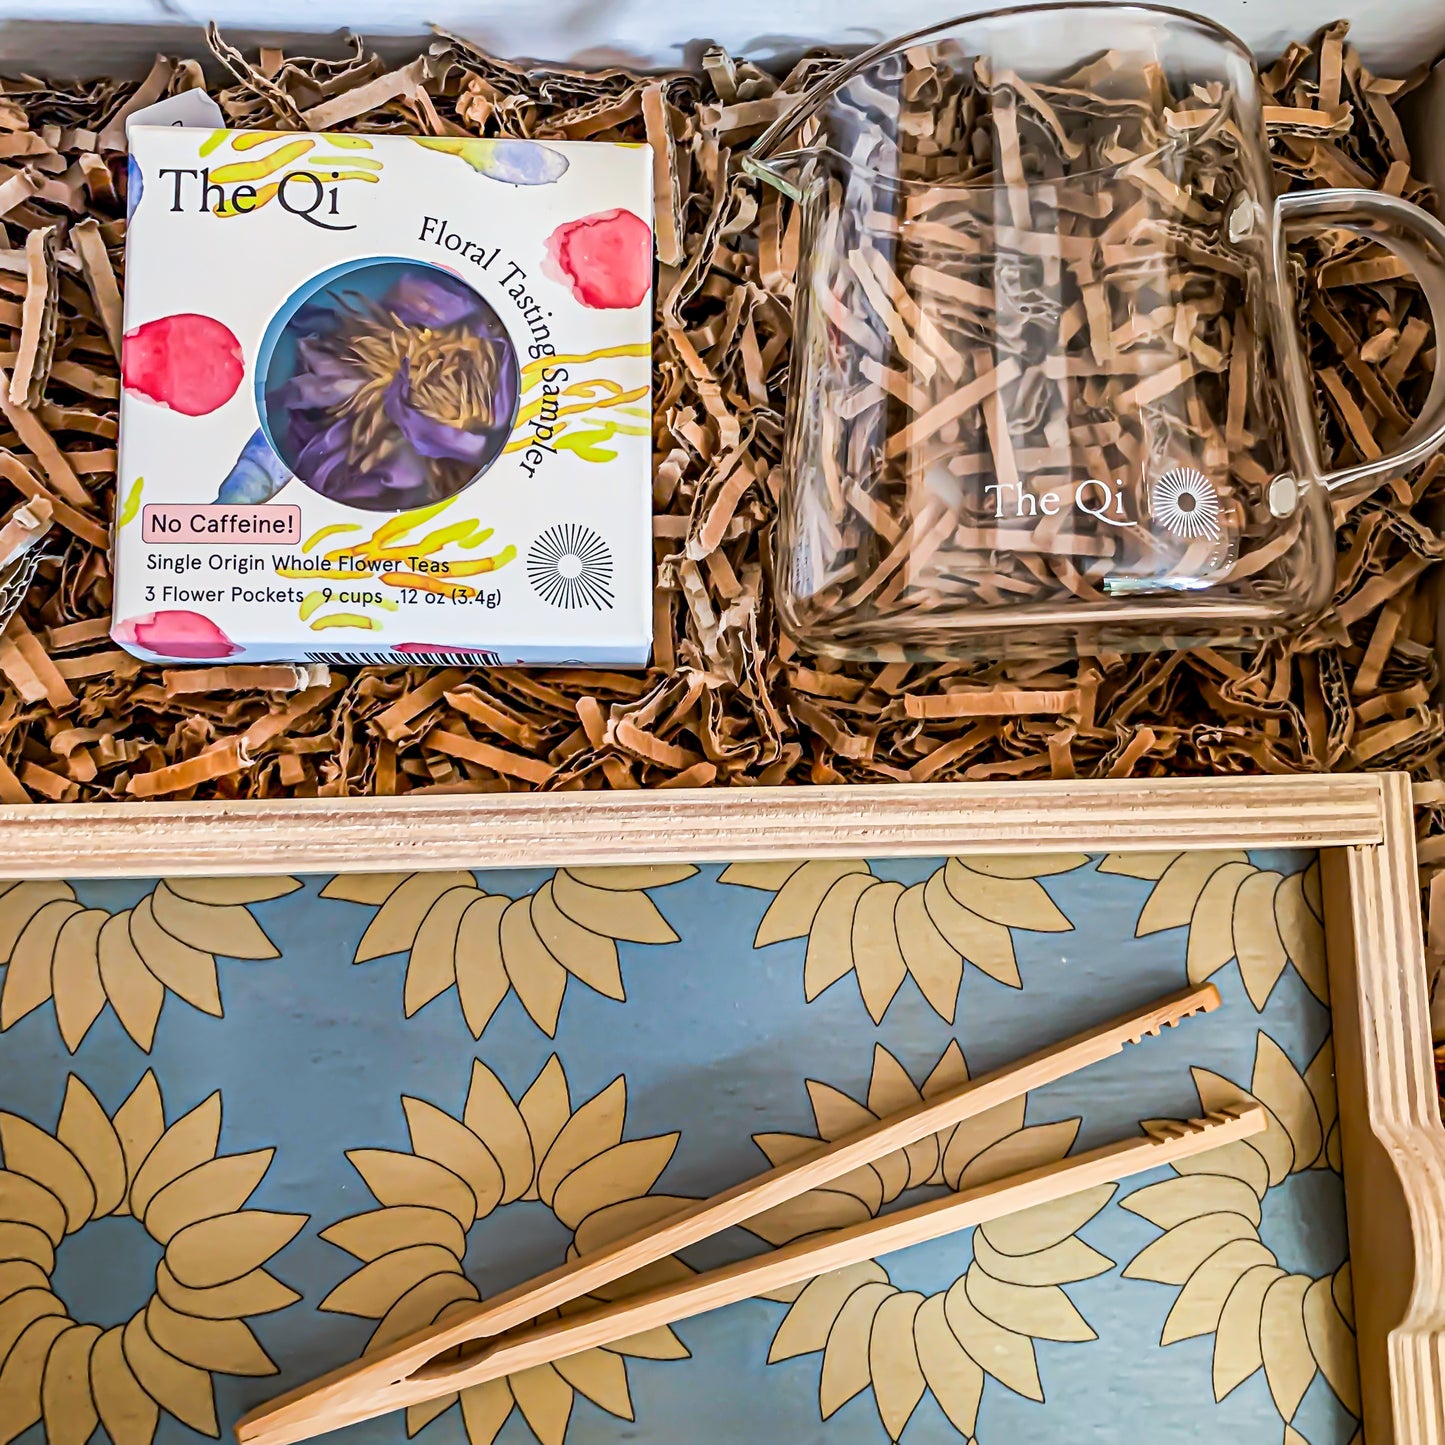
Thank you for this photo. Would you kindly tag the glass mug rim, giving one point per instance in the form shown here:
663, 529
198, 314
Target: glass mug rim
764, 157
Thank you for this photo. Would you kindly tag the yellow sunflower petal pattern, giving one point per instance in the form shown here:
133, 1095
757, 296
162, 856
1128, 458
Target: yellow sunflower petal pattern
603, 1226
492, 1116
951, 1372
545, 1109
596, 1126
1016, 902
1027, 1149
65, 1398
75, 975
1259, 948
435, 1135
602, 1378
660, 1343
23, 1201
90, 1136
791, 913
1303, 935
396, 1178
32, 1152
22, 1374
1067, 1262
1007, 1356
418, 1417
1199, 1305
629, 915
372, 888
898, 1382
1288, 1364
875, 949
1279, 1087
972, 1137
1047, 1226
128, 1414
26, 1242
829, 955
256, 1293
419, 1307
20, 902
590, 957
545, 1400
1171, 902
217, 1186
1274, 1145
540, 982
432, 967
395, 926
1211, 924
1332, 1342
1172, 1201
807, 1214
805, 1327
224, 1345
629, 878
767, 876
1177, 1253
936, 966
178, 1388
21, 1311
982, 942
1023, 865
1239, 1161
21, 1274
184, 970
377, 1286
1319, 1079
481, 975
190, 1141
1236, 1341
216, 928
218, 1251
28, 978
139, 1123
845, 1356
622, 1172
235, 892
135, 993
1342, 1287
484, 1411
369, 1236
1043, 1312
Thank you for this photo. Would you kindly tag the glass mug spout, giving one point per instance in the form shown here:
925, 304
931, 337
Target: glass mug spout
1048, 392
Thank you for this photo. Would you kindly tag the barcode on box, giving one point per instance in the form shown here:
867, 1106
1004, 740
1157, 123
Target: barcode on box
388, 658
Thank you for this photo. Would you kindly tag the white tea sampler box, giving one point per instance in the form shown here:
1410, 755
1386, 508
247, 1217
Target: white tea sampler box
385, 398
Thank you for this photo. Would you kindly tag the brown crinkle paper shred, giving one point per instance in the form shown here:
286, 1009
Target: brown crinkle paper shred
728, 701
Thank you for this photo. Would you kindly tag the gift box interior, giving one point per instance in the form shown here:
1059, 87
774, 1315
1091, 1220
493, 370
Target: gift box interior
701, 1045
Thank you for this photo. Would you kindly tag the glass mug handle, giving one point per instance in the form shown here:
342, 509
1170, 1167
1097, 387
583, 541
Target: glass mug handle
1419, 240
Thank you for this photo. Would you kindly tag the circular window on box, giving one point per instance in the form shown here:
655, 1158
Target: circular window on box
387, 384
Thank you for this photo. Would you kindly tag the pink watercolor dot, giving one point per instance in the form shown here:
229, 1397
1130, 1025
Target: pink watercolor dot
605, 258
190, 363
178, 634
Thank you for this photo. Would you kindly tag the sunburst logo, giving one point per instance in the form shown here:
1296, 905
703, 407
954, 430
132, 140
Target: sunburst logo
571, 566
1185, 503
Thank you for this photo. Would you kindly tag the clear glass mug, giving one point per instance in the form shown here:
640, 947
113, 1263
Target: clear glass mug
1047, 390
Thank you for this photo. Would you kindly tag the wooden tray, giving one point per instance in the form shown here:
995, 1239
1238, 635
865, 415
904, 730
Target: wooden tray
739, 988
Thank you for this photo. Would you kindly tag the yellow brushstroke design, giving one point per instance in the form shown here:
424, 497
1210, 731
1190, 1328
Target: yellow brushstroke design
310, 603
131, 508
346, 619
322, 533
282, 156
248, 140
532, 371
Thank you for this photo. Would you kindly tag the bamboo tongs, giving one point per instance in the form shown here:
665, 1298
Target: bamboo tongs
420, 1366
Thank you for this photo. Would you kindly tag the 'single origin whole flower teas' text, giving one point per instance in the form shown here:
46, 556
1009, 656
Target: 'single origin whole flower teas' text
400, 385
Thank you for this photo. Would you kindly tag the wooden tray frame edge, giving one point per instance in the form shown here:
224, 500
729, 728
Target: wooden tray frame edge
1363, 825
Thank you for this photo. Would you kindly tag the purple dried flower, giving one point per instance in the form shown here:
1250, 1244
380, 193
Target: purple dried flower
399, 401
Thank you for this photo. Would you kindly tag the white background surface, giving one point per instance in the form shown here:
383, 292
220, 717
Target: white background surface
114, 35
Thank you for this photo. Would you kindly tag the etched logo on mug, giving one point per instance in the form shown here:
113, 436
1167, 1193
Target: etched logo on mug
1184, 502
